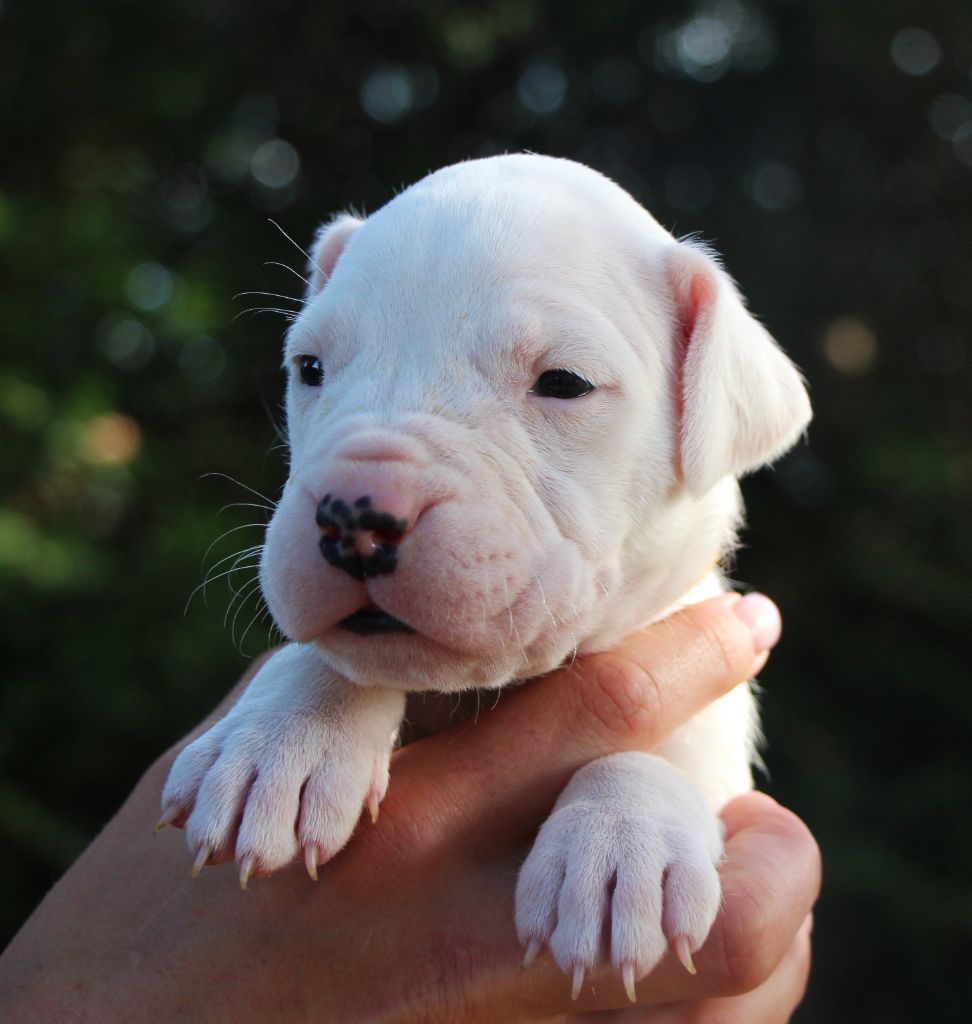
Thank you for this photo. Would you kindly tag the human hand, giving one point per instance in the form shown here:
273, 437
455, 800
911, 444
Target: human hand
413, 920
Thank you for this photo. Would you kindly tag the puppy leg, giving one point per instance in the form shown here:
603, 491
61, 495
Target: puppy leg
630, 851
288, 770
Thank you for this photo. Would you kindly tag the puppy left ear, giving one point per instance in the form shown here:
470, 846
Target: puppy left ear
329, 243
740, 401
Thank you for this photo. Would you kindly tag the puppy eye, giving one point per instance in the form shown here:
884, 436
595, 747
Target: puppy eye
561, 384
311, 371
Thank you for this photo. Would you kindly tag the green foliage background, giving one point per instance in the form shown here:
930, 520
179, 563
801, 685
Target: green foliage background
829, 158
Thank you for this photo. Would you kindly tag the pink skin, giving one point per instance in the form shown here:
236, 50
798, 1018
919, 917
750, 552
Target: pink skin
472, 576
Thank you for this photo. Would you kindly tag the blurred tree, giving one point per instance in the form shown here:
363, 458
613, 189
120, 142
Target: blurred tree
825, 148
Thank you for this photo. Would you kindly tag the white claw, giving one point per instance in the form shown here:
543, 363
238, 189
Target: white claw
532, 952
202, 855
628, 978
246, 869
167, 818
684, 952
578, 981
373, 807
311, 854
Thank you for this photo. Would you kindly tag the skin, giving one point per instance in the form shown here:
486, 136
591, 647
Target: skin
413, 920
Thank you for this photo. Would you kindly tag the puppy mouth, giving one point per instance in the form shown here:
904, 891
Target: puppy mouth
373, 621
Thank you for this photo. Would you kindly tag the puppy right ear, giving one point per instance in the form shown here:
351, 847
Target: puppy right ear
740, 402
329, 243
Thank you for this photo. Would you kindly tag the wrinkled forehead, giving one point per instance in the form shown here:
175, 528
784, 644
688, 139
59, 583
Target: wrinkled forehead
492, 221
476, 233
490, 250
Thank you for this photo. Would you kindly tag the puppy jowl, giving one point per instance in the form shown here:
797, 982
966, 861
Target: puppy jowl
517, 408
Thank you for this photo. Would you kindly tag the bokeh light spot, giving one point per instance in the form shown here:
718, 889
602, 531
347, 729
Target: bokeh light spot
126, 342
188, 206
542, 88
774, 186
111, 439
850, 346
390, 94
469, 38
948, 113
915, 51
275, 164
962, 143
23, 403
387, 95
149, 286
703, 46
720, 35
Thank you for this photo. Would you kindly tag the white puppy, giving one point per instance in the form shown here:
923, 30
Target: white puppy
516, 410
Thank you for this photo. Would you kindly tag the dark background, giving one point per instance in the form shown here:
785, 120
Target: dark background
825, 149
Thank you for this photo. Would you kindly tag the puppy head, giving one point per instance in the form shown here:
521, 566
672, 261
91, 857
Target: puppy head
516, 408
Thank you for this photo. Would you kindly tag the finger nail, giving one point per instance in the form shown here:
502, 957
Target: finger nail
763, 619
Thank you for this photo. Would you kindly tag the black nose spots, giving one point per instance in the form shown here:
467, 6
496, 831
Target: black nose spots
346, 530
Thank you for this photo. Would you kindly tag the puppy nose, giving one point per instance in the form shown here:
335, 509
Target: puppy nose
358, 537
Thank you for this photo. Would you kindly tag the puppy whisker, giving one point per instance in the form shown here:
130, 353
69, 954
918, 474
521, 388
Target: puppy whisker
225, 476
240, 598
287, 314
261, 612
514, 631
238, 555
277, 263
244, 504
229, 533
543, 601
253, 590
236, 590
238, 566
278, 430
272, 295
310, 259
274, 634
238, 558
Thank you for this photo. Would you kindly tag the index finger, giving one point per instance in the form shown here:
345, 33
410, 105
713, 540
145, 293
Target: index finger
516, 757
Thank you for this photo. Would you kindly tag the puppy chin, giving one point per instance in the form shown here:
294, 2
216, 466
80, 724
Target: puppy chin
442, 655
416, 663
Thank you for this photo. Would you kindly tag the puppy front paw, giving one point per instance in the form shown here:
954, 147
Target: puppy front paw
265, 787
630, 854
287, 771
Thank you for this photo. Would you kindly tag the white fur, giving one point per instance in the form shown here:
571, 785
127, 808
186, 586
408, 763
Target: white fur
632, 845
537, 526
290, 766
